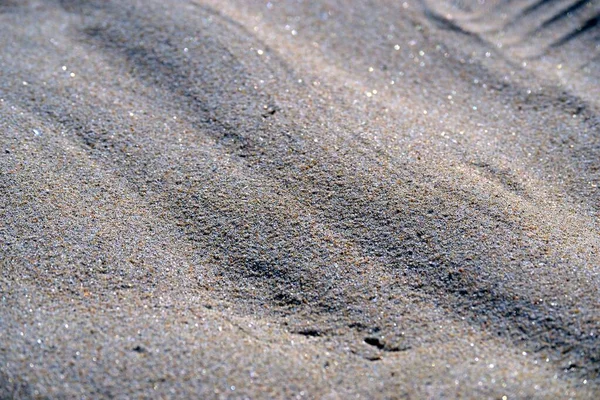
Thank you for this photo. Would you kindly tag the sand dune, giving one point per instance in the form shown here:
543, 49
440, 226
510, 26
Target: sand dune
297, 199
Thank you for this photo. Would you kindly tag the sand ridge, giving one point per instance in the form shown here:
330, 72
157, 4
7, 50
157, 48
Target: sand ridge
250, 199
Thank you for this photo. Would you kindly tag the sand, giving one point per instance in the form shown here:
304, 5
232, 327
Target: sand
299, 199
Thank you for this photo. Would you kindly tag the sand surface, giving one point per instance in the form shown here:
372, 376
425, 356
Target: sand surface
299, 199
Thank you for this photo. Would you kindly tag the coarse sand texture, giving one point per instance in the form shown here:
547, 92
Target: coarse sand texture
332, 199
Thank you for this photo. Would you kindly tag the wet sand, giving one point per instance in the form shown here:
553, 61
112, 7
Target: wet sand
297, 199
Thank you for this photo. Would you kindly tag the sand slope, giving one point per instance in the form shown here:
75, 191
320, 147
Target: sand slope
294, 199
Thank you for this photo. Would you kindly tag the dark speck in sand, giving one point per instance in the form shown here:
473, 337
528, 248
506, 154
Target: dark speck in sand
139, 349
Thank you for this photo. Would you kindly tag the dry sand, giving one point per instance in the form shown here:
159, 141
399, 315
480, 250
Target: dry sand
299, 199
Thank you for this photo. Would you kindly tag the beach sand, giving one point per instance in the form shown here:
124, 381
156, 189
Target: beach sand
299, 199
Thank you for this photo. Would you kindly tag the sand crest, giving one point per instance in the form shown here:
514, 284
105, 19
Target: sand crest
299, 199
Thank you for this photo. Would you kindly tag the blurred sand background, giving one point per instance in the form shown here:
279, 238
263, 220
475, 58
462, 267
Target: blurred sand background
299, 199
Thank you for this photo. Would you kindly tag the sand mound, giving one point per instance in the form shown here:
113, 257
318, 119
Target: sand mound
333, 199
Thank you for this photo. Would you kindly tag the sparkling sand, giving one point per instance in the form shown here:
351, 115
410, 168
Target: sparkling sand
332, 199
